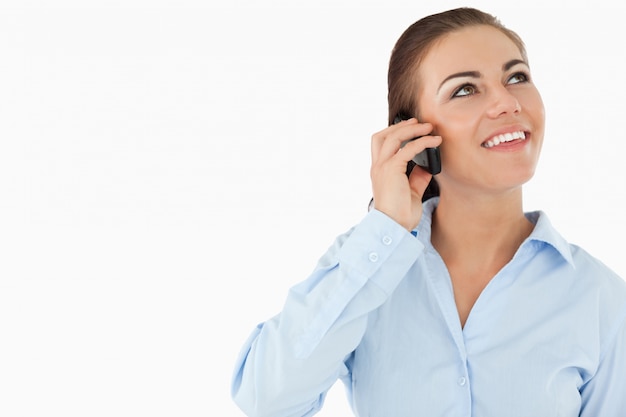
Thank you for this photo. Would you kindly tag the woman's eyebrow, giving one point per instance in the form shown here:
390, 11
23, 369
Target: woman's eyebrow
513, 63
476, 74
472, 74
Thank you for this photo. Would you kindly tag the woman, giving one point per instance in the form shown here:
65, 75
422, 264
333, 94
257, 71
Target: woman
462, 304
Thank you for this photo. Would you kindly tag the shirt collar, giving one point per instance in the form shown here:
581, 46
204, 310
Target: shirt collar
546, 233
543, 232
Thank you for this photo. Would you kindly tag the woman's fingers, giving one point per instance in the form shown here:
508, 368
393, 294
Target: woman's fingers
387, 142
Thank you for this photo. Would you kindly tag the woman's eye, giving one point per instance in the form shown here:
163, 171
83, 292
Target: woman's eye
518, 77
464, 90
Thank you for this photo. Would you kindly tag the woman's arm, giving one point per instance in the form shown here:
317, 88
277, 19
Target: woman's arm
605, 393
289, 362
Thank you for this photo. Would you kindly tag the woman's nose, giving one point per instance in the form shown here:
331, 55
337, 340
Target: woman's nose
503, 102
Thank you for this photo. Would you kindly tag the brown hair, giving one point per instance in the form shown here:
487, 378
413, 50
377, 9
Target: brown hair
412, 47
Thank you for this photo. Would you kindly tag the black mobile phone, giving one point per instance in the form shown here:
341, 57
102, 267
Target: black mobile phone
429, 158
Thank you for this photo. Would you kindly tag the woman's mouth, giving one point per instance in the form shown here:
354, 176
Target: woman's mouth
504, 138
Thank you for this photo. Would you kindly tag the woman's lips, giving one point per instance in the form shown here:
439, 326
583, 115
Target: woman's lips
505, 138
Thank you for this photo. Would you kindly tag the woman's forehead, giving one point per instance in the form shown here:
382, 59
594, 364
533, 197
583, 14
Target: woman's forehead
469, 49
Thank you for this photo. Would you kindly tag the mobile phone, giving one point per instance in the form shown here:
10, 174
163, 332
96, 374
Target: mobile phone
429, 158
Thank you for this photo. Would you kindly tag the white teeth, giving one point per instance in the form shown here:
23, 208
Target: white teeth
506, 137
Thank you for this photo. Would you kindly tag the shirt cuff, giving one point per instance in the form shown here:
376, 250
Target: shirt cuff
380, 248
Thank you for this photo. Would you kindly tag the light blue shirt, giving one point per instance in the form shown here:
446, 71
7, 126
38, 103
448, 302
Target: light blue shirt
546, 337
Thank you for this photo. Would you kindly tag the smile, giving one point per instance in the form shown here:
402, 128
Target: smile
506, 137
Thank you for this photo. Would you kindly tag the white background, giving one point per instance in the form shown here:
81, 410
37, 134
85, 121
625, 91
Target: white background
168, 169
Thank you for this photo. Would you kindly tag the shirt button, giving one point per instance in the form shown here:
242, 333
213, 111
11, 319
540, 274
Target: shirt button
462, 381
373, 257
387, 240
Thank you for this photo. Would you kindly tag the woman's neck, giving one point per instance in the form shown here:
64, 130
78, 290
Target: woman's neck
486, 230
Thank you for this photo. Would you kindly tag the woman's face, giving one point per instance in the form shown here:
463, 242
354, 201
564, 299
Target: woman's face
476, 90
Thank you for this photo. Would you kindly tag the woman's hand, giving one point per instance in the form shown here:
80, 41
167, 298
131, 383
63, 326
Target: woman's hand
395, 194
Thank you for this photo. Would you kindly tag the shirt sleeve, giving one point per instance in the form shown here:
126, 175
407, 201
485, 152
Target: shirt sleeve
605, 393
291, 361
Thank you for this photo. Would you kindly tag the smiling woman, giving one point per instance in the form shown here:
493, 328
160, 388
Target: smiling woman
461, 303
488, 99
